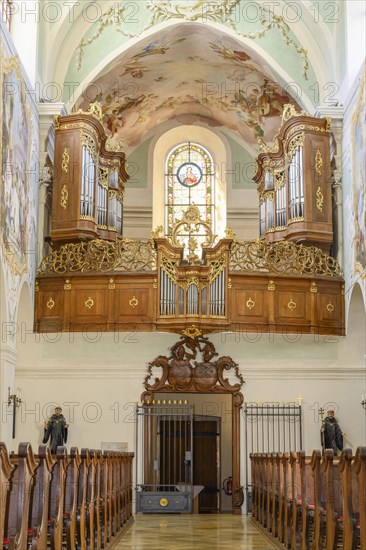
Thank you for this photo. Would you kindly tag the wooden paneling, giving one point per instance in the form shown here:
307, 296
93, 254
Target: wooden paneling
128, 302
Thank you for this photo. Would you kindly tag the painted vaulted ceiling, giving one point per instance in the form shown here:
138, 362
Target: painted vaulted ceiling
187, 73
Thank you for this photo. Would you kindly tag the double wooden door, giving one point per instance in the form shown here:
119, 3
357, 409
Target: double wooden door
203, 460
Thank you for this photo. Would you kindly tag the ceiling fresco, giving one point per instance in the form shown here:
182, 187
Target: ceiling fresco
183, 72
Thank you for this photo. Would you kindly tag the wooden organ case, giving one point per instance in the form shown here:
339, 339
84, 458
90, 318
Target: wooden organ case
97, 280
89, 181
294, 182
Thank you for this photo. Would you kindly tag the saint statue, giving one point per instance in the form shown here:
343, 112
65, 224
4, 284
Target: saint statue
57, 428
331, 434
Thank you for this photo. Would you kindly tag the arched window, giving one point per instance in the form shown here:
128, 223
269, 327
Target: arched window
189, 180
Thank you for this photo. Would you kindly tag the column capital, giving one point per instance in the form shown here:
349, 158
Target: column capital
46, 112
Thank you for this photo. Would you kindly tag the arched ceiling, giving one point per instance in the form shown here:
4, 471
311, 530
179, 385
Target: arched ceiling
184, 73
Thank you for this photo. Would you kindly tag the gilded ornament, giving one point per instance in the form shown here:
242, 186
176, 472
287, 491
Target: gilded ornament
111, 284
283, 257
330, 307
158, 232
67, 285
291, 305
264, 148
133, 302
271, 286
296, 219
192, 332
313, 288
89, 303
95, 110
37, 286
163, 502
250, 303
50, 304
230, 234
295, 144
64, 196
279, 179
229, 283
65, 161
289, 111
319, 199
318, 162
216, 267
89, 143
100, 256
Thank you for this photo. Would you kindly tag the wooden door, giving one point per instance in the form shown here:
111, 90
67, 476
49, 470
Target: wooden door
206, 462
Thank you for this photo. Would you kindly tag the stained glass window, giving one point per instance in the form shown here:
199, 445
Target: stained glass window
189, 180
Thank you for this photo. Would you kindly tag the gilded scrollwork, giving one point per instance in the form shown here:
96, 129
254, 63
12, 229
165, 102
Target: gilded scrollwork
215, 268
319, 199
295, 144
318, 162
101, 257
64, 196
95, 110
279, 179
89, 143
284, 257
65, 160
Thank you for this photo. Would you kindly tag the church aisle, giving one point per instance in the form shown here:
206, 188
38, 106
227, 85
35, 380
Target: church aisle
193, 532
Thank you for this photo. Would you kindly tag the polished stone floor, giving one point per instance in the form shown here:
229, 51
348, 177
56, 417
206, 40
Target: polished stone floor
193, 532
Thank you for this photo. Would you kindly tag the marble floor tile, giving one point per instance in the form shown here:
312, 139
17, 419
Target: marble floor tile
194, 532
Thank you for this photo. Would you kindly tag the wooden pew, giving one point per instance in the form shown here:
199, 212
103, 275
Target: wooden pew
40, 499
6, 472
359, 468
261, 485
130, 484
98, 500
285, 528
350, 500
90, 502
295, 498
253, 483
71, 498
319, 500
19, 497
82, 500
63, 503
275, 490
307, 501
57, 499
106, 503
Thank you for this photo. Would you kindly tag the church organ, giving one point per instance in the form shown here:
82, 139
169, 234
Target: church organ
89, 181
294, 184
190, 280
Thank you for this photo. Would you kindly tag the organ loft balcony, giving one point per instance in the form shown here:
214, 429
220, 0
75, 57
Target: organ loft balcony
187, 280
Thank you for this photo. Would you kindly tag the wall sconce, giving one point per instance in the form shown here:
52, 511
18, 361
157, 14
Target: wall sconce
363, 401
14, 400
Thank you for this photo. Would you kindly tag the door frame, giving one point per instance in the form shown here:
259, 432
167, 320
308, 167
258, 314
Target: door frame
182, 373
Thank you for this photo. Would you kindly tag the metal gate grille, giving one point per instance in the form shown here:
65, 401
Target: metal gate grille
164, 458
270, 428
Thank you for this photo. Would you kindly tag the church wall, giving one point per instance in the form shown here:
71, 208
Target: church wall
18, 194
100, 377
354, 187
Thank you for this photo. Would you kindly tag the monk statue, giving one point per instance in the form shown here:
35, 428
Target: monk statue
56, 428
331, 434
